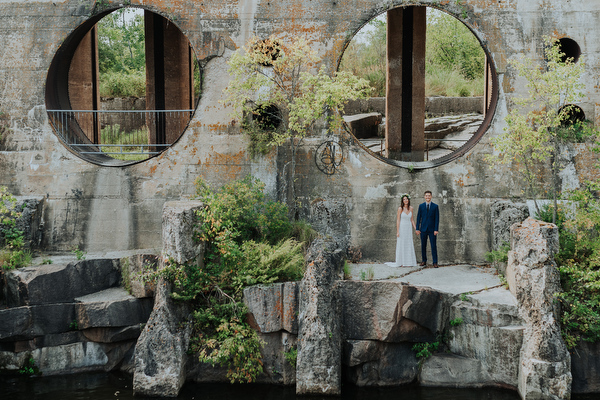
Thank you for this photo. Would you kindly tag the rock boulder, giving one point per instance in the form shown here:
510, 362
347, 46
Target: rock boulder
545, 367
318, 369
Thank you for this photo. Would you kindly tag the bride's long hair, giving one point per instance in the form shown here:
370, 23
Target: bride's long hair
402, 201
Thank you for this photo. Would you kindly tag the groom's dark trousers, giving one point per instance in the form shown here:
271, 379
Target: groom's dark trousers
428, 221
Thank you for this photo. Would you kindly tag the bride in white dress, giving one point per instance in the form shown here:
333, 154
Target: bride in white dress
405, 226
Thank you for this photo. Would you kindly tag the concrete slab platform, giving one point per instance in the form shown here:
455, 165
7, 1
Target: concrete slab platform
481, 283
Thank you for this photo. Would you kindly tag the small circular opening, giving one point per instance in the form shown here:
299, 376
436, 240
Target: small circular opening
573, 114
570, 49
267, 117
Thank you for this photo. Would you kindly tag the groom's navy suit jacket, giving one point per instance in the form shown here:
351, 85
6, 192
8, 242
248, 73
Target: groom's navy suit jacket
428, 221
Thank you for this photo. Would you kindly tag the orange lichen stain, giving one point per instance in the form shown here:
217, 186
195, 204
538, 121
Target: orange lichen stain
460, 182
557, 35
217, 127
228, 166
153, 168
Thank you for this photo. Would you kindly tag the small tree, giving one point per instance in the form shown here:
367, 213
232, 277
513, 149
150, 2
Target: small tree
279, 95
537, 127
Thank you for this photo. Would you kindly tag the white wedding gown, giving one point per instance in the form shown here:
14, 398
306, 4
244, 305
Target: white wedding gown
405, 250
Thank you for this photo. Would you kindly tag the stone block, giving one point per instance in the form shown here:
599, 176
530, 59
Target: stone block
273, 307
450, 370
70, 358
545, 363
265, 304
111, 308
276, 368
52, 318
15, 323
390, 311
112, 335
179, 232
585, 367
504, 214
55, 283
374, 363
58, 339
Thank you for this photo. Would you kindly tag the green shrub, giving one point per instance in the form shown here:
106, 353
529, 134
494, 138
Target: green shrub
249, 240
292, 356
123, 84
579, 266
424, 350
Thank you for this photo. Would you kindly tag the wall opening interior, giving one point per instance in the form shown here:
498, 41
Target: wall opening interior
574, 115
433, 82
123, 87
569, 48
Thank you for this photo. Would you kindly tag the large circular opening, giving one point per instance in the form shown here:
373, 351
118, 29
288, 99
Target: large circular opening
122, 87
434, 87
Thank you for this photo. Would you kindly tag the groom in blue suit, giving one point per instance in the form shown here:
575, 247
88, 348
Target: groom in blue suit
428, 222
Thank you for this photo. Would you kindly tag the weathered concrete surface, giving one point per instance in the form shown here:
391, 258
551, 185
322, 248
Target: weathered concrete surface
318, 368
545, 368
84, 201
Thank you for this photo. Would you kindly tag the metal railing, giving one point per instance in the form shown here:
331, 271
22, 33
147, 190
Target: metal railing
120, 134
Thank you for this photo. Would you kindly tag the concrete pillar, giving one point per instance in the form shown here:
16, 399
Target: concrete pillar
83, 85
405, 90
169, 78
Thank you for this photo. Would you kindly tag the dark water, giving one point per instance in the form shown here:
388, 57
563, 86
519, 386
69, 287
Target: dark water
102, 386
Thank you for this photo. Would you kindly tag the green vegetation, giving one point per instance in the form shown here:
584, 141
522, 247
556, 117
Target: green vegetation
249, 240
29, 368
541, 123
80, 254
424, 350
13, 254
579, 265
74, 326
121, 54
454, 64
456, 321
277, 94
498, 256
347, 271
292, 356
